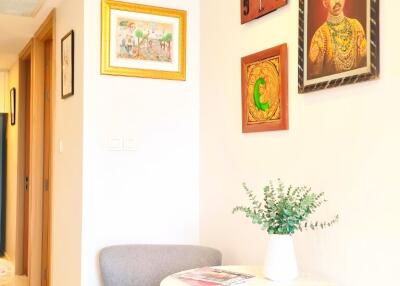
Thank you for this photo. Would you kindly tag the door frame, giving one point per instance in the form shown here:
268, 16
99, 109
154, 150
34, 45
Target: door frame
36, 50
24, 57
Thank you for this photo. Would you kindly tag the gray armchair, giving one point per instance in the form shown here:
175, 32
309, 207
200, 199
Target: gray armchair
147, 265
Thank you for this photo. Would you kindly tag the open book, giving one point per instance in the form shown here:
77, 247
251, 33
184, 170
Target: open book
208, 276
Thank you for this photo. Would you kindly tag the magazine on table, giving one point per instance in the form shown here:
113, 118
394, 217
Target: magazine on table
208, 276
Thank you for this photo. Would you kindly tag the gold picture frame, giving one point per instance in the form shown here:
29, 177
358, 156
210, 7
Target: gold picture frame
143, 41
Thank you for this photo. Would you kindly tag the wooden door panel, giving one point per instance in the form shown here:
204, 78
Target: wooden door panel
27, 168
46, 162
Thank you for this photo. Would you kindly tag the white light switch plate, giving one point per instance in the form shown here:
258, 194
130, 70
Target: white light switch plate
116, 144
60, 146
129, 144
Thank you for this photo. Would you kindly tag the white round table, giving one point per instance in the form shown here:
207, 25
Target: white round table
259, 280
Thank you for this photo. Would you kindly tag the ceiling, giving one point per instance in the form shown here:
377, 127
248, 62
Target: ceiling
20, 7
16, 31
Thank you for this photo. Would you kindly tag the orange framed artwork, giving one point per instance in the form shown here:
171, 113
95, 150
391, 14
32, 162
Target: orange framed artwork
265, 90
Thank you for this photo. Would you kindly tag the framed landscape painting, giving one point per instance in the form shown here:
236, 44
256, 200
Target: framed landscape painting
253, 9
143, 41
265, 90
338, 43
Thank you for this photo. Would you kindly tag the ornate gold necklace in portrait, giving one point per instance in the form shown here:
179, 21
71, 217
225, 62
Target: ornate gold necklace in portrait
344, 45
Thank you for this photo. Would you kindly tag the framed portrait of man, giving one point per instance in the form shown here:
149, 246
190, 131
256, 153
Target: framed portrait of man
338, 43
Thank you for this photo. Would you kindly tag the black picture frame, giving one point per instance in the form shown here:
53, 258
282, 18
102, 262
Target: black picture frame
13, 103
325, 82
68, 65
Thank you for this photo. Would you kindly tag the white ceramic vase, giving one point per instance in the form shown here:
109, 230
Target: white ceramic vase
280, 260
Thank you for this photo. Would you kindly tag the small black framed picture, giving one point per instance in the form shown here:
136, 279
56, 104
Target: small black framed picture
67, 65
13, 103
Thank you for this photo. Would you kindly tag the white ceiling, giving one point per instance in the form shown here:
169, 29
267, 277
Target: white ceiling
16, 31
20, 7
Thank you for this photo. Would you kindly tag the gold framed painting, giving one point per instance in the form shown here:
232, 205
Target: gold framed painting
338, 43
265, 90
143, 41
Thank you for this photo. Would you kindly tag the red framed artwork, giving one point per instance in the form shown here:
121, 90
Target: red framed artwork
253, 9
265, 90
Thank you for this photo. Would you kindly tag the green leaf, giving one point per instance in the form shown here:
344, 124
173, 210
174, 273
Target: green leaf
284, 210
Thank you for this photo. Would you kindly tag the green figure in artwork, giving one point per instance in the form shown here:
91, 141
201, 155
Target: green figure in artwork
256, 95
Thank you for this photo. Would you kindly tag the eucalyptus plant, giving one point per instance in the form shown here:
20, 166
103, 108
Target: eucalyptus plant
284, 210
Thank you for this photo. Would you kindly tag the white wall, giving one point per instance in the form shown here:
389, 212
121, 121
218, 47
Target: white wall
149, 195
67, 165
3, 90
343, 141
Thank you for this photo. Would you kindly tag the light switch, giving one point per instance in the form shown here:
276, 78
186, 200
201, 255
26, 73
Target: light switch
129, 144
116, 144
60, 146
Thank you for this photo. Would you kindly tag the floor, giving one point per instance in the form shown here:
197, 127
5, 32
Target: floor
7, 277
16, 281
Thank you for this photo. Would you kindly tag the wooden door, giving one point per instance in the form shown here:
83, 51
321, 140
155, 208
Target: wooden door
46, 161
34, 168
27, 156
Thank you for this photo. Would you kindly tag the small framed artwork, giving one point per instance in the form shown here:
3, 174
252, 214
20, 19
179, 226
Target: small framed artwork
338, 43
67, 65
13, 104
265, 90
143, 41
253, 9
